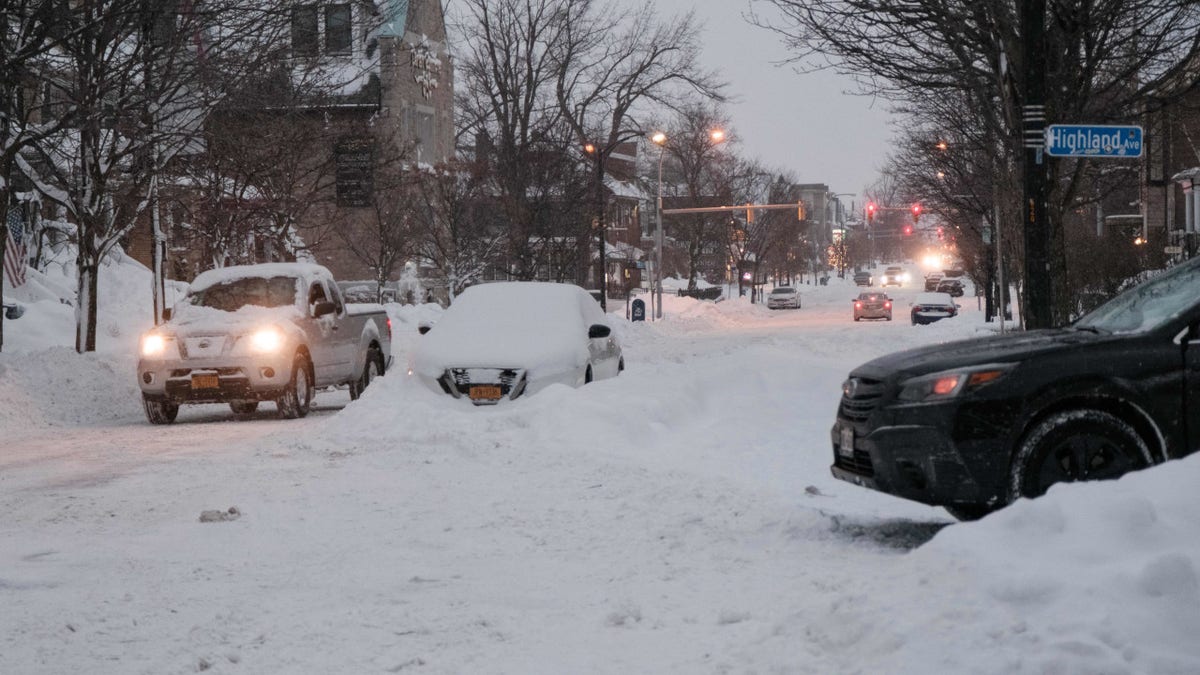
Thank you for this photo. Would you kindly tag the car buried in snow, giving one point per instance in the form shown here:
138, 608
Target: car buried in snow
499, 341
783, 297
252, 333
977, 424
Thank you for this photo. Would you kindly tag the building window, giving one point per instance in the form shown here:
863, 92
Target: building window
337, 29
304, 30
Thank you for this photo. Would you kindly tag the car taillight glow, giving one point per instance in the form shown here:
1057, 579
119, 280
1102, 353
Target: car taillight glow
389, 325
858, 305
887, 305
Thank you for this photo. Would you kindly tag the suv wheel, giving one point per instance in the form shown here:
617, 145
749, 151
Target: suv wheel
1075, 445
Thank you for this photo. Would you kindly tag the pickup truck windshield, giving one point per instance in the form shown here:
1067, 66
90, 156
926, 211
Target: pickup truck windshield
1147, 306
234, 294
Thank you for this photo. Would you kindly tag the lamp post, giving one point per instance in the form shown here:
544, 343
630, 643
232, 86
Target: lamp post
660, 139
594, 151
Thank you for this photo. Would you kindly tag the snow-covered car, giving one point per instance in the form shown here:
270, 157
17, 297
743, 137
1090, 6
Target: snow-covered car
783, 297
954, 287
251, 333
930, 307
504, 340
932, 281
872, 306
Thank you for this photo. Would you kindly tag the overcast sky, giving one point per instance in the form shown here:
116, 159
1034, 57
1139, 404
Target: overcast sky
804, 123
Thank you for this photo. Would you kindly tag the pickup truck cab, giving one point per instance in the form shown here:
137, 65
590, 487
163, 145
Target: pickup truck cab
252, 333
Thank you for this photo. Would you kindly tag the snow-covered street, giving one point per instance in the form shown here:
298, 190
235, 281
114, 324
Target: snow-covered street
678, 518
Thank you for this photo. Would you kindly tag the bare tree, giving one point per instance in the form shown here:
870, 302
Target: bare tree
133, 80
456, 234
606, 78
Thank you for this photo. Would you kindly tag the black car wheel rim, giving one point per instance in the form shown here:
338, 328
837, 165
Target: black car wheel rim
1082, 457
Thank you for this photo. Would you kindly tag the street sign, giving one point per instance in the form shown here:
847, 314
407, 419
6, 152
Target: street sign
1173, 250
1093, 140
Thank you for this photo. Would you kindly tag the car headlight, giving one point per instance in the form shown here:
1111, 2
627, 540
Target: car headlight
153, 346
266, 341
951, 383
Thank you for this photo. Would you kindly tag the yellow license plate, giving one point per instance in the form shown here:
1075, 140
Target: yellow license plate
206, 382
485, 393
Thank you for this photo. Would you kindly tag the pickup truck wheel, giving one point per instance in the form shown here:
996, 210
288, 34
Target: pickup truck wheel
297, 398
967, 512
158, 411
243, 407
1075, 445
373, 369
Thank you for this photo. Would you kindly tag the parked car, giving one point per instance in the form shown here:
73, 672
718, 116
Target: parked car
783, 297
872, 306
504, 340
930, 307
894, 276
952, 287
863, 278
977, 424
932, 281
252, 333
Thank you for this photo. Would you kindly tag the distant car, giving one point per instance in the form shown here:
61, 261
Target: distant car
953, 287
783, 297
930, 307
872, 306
504, 340
977, 424
863, 279
932, 281
894, 276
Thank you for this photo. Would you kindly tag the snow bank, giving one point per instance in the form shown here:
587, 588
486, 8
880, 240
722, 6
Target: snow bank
58, 388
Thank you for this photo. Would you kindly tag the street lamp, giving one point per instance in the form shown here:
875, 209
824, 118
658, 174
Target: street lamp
660, 139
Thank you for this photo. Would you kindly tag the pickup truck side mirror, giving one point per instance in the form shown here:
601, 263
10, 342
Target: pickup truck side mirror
599, 330
166, 314
324, 307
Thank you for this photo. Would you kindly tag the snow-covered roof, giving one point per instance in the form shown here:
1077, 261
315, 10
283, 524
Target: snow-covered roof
308, 272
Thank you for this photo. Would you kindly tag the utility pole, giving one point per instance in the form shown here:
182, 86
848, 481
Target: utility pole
1038, 306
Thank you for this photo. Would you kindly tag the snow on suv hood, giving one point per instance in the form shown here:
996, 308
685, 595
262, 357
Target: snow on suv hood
191, 320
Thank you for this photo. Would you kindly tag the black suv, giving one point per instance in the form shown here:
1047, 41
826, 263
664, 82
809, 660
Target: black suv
976, 424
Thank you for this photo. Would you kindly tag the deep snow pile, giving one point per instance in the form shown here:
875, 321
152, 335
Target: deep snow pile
678, 518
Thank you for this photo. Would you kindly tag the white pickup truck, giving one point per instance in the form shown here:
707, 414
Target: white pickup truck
272, 332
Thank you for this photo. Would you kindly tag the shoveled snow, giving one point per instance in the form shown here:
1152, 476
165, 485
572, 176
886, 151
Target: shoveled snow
678, 518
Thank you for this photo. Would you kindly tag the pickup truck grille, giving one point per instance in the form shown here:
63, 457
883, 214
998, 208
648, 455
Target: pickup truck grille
864, 399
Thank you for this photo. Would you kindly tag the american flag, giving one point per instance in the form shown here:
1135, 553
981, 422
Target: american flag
14, 253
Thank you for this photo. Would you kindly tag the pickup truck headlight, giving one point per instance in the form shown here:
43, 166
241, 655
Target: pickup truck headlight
153, 346
266, 341
949, 384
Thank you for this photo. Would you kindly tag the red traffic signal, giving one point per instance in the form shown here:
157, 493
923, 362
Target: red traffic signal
916, 212
907, 230
871, 208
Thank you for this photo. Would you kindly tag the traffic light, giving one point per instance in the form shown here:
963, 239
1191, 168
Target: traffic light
908, 230
800, 210
916, 213
871, 211
749, 214
941, 233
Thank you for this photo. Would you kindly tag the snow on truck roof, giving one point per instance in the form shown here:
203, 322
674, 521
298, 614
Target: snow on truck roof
307, 272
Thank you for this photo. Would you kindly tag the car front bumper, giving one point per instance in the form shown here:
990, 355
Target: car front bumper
245, 378
919, 459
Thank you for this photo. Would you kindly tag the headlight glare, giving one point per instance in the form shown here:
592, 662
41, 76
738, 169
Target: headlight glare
266, 340
153, 345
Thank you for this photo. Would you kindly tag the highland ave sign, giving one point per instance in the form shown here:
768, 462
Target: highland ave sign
1093, 140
